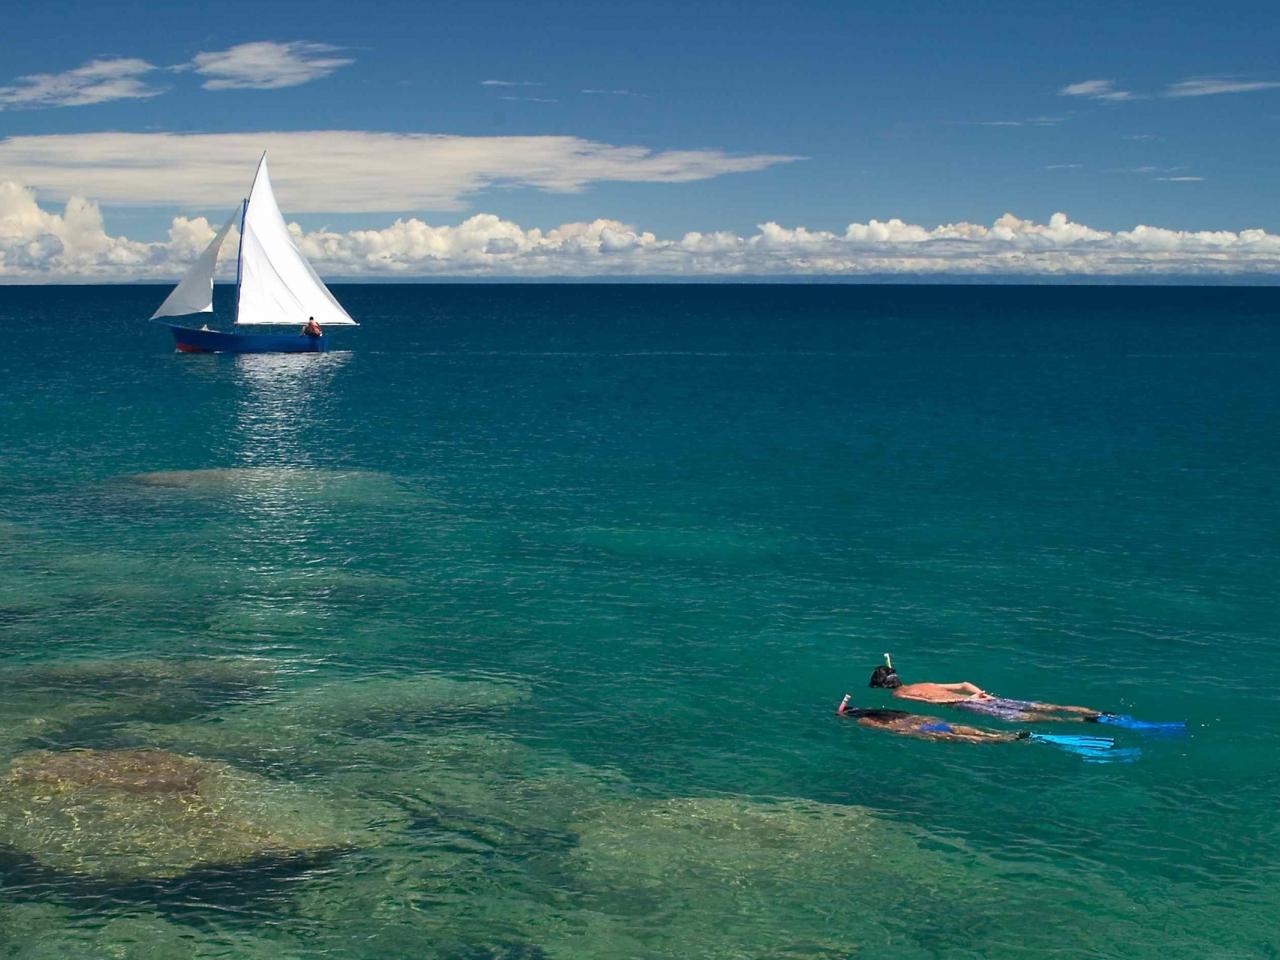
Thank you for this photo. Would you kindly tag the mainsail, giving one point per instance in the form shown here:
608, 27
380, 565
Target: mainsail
194, 292
277, 285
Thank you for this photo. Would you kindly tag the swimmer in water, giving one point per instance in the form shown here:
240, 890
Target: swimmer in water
906, 724
973, 699
925, 728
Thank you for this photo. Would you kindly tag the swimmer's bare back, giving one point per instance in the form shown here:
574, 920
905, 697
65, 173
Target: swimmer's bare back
940, 692
931, 728
952, 693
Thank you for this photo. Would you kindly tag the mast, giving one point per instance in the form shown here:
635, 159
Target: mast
244, 212
244, 209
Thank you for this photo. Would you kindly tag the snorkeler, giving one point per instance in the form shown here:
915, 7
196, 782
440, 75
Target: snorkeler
931, 728
926, 728
972, 698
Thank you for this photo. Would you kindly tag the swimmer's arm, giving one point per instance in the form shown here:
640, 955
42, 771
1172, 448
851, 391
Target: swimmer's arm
964, 687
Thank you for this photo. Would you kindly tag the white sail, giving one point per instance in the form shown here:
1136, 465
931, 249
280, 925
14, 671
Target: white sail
194, 292
277, 285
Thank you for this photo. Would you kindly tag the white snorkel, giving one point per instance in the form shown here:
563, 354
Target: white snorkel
888, 662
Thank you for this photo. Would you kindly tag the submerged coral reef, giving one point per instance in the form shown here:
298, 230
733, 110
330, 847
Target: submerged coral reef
79, 703
151, 813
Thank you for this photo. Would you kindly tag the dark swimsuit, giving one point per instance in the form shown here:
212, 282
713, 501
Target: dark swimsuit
1002, 708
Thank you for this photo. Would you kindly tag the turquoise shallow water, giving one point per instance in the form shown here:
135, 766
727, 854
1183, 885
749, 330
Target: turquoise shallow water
521, 621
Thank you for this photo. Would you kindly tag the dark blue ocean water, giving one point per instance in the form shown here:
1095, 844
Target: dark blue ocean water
547, 594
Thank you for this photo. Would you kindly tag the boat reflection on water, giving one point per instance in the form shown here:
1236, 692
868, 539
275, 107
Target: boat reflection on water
279, 396
287, 505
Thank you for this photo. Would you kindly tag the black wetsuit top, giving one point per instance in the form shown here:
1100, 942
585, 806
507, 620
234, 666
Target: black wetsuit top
883, 716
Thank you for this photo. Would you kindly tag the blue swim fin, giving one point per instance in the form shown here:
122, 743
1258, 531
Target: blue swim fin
1144, 726
1090, 749
1073, 743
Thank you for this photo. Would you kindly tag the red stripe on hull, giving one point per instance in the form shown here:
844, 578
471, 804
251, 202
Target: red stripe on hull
188, 348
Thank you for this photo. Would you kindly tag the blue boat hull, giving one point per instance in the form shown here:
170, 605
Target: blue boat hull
215, 341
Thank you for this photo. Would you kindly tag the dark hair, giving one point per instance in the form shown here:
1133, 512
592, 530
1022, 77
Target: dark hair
880, 716
885, 677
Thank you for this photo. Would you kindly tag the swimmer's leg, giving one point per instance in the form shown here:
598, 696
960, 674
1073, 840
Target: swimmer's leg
1038, 716
1061, 708
978, 735
1052, 713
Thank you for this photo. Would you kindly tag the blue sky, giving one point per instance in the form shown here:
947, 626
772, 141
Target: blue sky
929, 112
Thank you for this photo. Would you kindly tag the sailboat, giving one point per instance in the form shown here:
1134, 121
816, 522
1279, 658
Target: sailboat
275, 286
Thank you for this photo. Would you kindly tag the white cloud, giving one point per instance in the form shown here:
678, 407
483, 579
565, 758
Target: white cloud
1181, 179
1195, 87
266, 65
1210, 86
1150, 169
510, 83
533, 99
98, 81
1028, 122
341, 171
38, 246
1096, 90
259, 65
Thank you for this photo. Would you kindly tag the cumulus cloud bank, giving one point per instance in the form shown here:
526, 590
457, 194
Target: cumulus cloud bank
342, 170
39, 246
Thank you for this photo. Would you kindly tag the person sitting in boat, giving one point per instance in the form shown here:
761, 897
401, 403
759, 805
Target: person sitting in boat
312, 329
